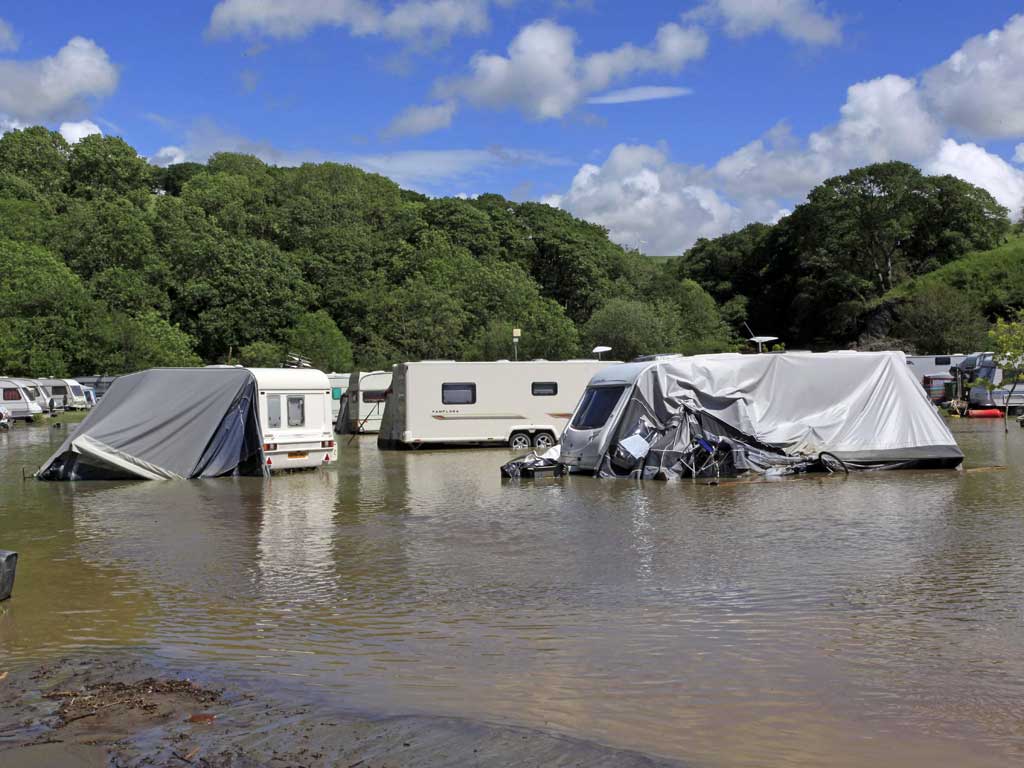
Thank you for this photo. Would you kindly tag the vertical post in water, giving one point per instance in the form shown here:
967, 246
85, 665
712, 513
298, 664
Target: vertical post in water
8, 562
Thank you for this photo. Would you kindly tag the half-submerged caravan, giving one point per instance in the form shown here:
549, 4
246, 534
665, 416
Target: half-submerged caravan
188, 423
722, 415
516, 404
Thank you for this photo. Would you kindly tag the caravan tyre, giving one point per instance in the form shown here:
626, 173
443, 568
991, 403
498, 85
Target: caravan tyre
543, 440
520, 441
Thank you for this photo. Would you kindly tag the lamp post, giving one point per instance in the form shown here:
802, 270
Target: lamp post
516, 334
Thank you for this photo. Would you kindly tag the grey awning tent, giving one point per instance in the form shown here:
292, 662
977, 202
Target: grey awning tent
729, 413
166, 423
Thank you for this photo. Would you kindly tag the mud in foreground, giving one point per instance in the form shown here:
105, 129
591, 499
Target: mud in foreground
88, 712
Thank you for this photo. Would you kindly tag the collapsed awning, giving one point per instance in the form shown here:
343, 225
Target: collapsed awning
723, 414
166, 423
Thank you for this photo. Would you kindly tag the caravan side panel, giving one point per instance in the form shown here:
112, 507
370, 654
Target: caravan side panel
484, 403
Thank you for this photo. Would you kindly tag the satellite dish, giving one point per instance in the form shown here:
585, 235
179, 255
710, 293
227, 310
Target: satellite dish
598, 350
761, 340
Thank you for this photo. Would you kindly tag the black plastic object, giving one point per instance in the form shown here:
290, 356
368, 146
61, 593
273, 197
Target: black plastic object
532, 465
8, 564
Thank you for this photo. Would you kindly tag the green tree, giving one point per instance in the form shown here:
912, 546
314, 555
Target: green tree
37, 155
261, 354
49, 321
633, 328
939, 319
100, 165
149, 341
1007, 339
316, 337
701, 328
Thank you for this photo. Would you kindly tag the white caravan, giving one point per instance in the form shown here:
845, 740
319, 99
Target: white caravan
67, 390
518, 404
364, 402
19, 403
933, 365
35, 391
295, 417
339, 386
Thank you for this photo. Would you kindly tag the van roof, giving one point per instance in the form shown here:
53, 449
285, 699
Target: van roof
290, 378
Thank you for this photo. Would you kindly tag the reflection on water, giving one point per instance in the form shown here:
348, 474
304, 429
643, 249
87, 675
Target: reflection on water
814, 621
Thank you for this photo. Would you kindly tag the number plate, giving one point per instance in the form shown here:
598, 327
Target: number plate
298, 454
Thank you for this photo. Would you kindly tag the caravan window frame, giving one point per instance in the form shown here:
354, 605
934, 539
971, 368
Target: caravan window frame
300, 401
595, 401
552, 387
449, 388
273, 411
375, 395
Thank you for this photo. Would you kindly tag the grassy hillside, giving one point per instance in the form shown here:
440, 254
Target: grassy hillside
992, 281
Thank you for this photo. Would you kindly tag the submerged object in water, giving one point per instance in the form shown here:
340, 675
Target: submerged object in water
985, 413
8, 564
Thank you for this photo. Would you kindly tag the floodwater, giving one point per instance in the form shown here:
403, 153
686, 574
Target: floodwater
876, 619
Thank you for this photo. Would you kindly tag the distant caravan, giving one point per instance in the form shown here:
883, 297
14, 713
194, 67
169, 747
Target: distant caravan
362, 406
339, 386
515, 404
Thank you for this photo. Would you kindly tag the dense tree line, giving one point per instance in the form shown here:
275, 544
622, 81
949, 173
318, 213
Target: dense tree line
109, 264
849, 266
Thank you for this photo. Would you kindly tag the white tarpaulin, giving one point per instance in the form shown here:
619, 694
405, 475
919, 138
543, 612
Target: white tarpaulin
860, 407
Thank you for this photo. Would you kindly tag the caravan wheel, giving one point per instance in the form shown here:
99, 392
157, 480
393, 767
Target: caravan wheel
520, 441
543, 440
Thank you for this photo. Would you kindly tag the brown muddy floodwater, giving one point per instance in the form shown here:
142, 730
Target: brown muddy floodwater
876, 620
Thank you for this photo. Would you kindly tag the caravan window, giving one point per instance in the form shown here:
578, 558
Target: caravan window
273, 411
375, 395
544, 388
11, 393
32, 392
942, 361
77, 391
463, 393
296, 410
58, 389
596, 406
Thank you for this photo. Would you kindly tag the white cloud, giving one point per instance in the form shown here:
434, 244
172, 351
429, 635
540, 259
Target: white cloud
801, 20
8, 123
416, 120
75, 132
8, 39
1018, 154
55, 86
411, 20
544, 78
644, 197
980, 167
169, 156
980, 88
647, 202
640, 93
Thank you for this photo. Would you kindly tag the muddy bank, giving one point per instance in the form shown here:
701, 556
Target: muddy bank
92, 712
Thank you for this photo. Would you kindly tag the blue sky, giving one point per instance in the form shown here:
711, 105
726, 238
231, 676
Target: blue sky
764, 97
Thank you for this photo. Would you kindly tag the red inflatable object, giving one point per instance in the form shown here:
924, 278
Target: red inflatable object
985, 413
